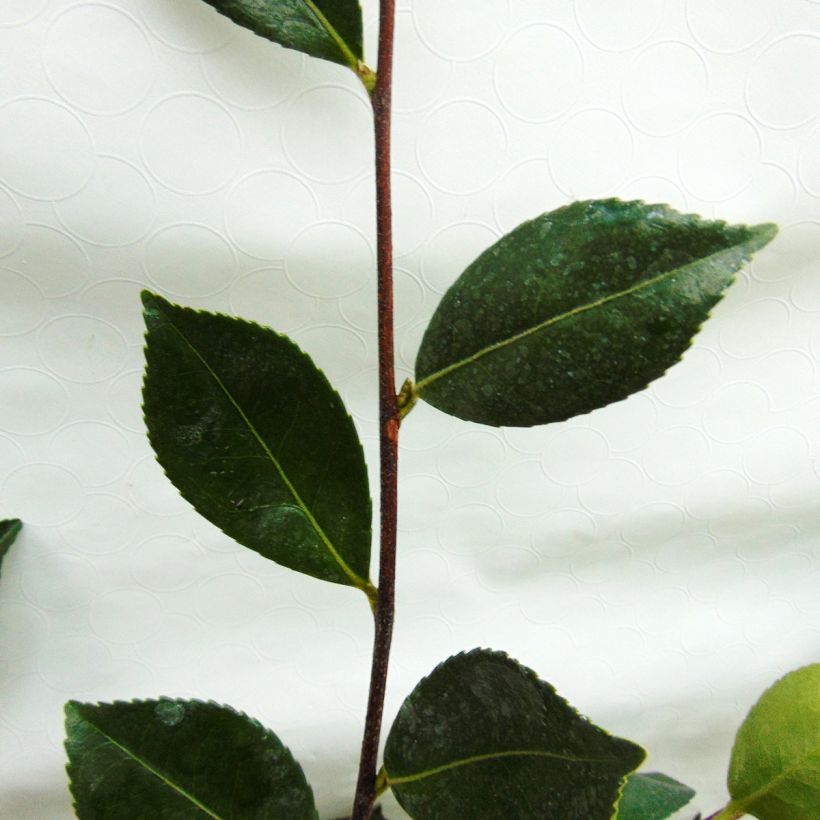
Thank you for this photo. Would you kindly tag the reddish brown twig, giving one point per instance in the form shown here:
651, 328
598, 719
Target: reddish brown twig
388, 421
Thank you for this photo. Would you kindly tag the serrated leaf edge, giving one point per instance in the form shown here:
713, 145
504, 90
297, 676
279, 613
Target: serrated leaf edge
541, 684
73, 706
364, 584
348, 54
766, 231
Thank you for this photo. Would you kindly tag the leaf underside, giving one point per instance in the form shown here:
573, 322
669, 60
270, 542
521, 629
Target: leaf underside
252, 434
576, 309
179, 759
9, 530
327, 29
652, 796
775, 768
482, 737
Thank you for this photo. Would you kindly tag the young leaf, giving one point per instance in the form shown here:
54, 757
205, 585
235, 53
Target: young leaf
482, 737
652, 796
577, 309
775, 769
180, 759
328, 29
9, 530
253, 435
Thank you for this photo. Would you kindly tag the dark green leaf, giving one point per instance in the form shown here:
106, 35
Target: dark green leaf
328, 29
252, 434
9, 530
775, 768
176, 759
483, 738
576, 309
652, 796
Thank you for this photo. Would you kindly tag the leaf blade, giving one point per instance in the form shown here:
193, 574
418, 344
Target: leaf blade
326, 29
483, 737
180, 758
652, 796
9, 530
576, 309
774, 772
252, 434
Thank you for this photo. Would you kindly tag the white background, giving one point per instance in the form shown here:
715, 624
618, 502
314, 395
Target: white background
657, 560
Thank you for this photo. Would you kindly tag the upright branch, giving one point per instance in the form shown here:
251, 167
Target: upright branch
388, 421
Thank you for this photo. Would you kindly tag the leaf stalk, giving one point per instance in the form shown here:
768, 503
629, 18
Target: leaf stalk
407, 398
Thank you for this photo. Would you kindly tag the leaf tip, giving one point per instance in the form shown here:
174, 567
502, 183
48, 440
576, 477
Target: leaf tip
10, 528
153, 301
763, 234
73, 707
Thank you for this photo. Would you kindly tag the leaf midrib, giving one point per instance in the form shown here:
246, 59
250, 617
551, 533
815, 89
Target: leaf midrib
357, 581
553, 320
154, 771
467, 761
744, 803
341, 44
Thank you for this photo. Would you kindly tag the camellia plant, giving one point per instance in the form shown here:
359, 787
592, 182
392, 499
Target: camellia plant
571, 311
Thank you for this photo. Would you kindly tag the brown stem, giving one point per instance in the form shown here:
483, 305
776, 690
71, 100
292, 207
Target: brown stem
388, 421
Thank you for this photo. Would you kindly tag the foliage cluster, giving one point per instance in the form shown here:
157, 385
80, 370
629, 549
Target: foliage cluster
571, 311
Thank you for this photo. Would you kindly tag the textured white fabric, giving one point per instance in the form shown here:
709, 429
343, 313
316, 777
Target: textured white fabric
657, 561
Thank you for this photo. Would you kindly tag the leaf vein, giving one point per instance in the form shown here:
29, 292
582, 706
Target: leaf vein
359, 582
347, 52
553, 320
412, 778
156, 772
745, 802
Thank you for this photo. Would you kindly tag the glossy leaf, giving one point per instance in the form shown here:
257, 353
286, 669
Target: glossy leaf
775, 768
482, 737
9, 530
328, 29
576, 309
652, 796
252, 434
178, 759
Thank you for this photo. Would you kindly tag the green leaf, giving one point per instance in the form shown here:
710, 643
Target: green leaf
775, 768
9, 530
652, 796
178, 759
482, 737
253, 435
576, 309
328, 29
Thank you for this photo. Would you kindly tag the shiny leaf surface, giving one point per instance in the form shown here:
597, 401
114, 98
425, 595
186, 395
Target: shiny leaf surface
179, 759
482, 737
775, 768
252, 434
327, 29
576, 309
652, 796
9, 530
